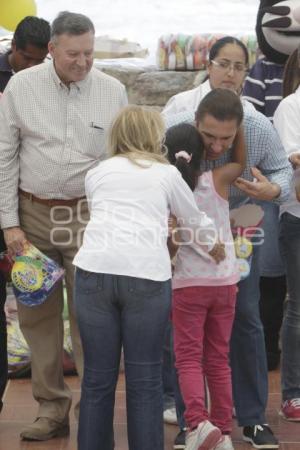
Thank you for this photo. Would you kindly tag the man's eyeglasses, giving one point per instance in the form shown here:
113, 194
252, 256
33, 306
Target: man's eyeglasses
224, 64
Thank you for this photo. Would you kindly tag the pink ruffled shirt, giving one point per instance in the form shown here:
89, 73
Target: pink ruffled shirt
194, 268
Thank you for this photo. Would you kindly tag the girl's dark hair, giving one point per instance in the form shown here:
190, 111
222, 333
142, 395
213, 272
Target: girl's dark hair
291, 74
185, 137
220, 43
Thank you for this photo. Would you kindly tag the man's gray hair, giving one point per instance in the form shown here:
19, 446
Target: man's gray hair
71, 23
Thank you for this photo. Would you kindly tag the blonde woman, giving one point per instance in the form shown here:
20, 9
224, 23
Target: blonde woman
123, 278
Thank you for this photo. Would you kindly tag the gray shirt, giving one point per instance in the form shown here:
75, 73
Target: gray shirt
51, 135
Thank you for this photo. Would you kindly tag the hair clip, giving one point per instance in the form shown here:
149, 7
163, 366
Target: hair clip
183, 154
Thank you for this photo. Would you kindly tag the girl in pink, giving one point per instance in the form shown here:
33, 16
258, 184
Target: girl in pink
204, 295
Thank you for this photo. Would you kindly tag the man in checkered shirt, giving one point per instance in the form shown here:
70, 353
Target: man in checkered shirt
53, 123
266, 177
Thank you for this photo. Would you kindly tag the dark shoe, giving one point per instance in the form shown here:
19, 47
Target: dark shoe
273, 360
260, 436
179, 442
44, 428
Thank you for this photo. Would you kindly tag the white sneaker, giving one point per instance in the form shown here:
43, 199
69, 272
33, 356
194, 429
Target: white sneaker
204, 437
170, 416
225, 443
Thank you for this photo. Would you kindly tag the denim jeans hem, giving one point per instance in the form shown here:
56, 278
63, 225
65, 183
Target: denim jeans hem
248, 422
290, 394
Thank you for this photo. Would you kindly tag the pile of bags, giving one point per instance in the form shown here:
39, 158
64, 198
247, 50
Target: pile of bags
190, 52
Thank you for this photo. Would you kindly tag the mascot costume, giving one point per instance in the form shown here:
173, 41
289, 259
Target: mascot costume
278, 35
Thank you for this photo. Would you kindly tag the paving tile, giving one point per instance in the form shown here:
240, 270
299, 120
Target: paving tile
20, 409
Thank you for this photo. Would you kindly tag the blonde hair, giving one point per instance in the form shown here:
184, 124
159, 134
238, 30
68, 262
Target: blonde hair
137, 133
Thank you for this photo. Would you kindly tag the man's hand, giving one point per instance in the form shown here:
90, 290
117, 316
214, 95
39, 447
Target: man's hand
295, 160
262, 188
218, 252
14, 238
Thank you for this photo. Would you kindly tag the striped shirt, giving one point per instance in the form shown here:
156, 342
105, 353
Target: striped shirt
51, 135
263, 86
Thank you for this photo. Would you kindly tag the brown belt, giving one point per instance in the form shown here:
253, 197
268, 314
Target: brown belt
51, 201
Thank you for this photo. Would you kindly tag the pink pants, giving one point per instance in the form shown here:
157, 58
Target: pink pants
202, 319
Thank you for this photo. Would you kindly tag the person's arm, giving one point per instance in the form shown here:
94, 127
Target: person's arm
297, 184
173, 237
272, 174
286, 121
294, 159
225, 175
9, 172
196, 228
170, 107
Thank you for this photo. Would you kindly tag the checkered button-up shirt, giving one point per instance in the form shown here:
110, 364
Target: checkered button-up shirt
264, 151
51, 135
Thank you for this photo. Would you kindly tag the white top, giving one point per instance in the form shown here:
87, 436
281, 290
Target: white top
194, 269
128, 228
51, 135
287, 123
186, 100
182, 107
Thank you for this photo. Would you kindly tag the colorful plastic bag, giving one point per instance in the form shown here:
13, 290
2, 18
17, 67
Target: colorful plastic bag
34, 276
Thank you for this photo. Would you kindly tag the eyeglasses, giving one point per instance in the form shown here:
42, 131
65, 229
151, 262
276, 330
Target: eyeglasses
225, 65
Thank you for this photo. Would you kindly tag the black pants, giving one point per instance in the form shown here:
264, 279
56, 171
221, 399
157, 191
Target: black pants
272, 296
3, 335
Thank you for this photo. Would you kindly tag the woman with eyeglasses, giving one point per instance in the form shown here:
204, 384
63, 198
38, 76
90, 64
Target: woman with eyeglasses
227, 67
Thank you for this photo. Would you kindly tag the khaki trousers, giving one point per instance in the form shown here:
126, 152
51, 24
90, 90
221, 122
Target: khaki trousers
57, 232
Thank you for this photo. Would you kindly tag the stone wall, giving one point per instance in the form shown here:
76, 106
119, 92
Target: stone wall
149, 86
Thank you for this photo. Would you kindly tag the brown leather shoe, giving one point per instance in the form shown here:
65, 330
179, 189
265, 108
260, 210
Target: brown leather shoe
44, 428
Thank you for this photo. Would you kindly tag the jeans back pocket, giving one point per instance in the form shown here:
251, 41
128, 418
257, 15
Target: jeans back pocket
88, 282
145, 287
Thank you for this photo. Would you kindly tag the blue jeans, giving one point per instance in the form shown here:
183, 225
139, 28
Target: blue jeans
270, 260
289, 239
112, 311
247, 352
167, 369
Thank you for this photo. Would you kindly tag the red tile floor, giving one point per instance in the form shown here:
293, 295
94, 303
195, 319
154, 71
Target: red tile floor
20, 408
